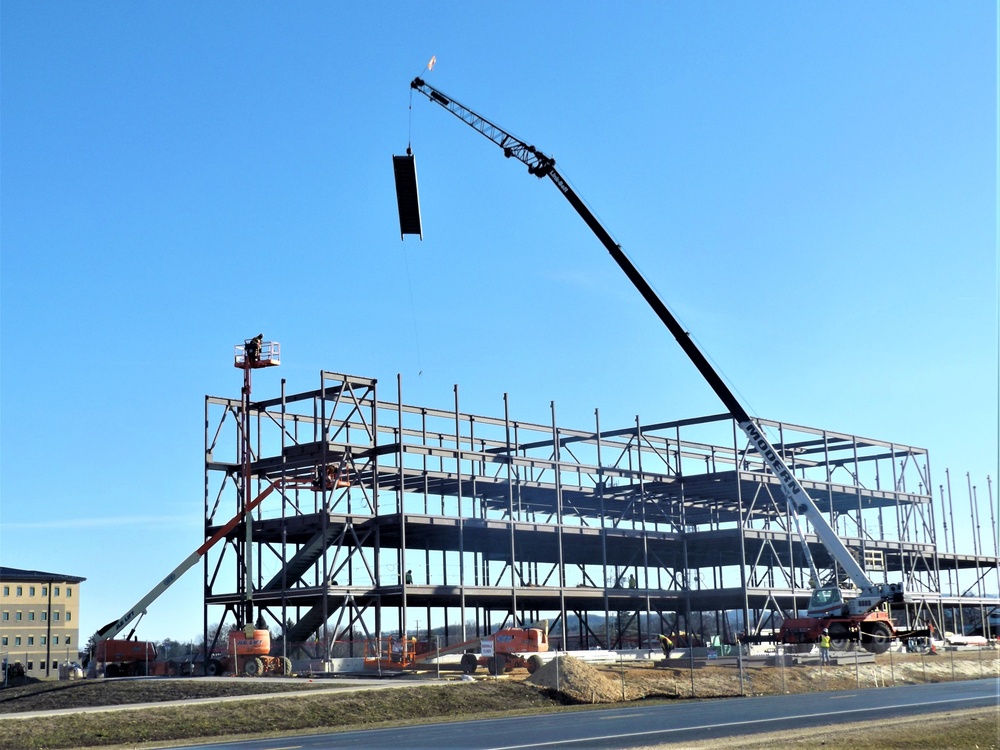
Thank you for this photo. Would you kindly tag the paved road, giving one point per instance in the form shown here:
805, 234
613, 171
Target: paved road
648, 725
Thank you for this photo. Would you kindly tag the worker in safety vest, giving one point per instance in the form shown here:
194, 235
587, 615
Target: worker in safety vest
666, 644
824, 647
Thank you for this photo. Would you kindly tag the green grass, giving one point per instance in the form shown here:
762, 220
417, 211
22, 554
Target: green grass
311, 713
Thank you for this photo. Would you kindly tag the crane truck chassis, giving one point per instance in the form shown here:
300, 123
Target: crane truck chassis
861, 618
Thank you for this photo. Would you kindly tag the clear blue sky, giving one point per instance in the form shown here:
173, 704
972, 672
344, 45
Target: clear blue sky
812, 187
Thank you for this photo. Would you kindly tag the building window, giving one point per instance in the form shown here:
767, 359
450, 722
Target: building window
6, 616
55, 615
55, 591
44, 616
6, 590
69, 616
41, 641
55, 664
17, 616
31, 617
67, 640
31, 665
55, 640
17, 640
31, 590
45, 590
3, 642
69, 591
18, 591
31, 640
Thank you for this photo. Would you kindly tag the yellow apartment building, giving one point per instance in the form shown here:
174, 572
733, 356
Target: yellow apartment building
39, 620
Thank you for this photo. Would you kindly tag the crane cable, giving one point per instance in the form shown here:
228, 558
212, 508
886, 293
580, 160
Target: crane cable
406, 260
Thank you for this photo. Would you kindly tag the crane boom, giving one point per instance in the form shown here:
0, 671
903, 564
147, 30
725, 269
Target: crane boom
799, 503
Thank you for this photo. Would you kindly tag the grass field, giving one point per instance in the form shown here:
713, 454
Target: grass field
330, 705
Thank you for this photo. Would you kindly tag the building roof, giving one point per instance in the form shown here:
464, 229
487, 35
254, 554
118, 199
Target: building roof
19, 575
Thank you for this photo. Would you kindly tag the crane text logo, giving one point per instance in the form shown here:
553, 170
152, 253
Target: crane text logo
777, 466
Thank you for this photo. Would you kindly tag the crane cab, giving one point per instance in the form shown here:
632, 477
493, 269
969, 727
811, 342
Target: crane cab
827, 601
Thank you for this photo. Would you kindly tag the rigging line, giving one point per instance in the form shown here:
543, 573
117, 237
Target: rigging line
429, 66
413, 314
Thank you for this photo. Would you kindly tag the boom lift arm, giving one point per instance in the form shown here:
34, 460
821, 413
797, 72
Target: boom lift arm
871, 595
112, 629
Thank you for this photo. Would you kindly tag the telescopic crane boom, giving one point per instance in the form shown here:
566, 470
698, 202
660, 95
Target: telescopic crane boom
871, 595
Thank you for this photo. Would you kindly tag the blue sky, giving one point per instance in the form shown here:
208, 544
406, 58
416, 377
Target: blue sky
811, 187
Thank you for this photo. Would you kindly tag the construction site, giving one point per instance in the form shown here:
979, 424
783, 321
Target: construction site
386, 518
356, 518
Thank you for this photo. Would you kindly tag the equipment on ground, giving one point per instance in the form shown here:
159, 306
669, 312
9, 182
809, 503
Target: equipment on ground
503, 651
511, 648
248, 653
853, 616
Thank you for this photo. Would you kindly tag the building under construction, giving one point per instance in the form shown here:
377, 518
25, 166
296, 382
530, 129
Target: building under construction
388, 517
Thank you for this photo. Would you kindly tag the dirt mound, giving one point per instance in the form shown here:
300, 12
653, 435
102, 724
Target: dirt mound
578, 681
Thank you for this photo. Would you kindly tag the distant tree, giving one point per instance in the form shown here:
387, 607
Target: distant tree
213, 637
89, 649
169, 648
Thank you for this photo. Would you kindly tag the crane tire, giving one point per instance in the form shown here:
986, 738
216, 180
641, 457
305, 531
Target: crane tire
214, 668
840, 637
877, 638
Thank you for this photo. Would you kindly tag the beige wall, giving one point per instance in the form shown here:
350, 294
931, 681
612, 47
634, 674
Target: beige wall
39, 624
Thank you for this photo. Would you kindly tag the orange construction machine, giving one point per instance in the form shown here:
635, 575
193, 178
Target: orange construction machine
124, 658
509, 648
506, 649
248, 653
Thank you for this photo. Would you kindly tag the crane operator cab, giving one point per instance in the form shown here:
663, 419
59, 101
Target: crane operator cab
827, 601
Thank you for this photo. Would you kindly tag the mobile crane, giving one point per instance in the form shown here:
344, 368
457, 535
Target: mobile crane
858, 615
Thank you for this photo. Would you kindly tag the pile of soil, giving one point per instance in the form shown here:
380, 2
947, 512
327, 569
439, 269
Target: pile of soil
575, 681
579, 682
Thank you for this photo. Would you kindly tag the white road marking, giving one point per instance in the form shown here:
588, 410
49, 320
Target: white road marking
728, 724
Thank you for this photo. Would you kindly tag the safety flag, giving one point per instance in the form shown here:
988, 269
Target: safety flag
431, 62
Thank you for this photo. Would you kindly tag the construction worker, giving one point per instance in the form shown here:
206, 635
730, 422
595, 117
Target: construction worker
824, 647
666, 644
409, 577
252, 348
632, 583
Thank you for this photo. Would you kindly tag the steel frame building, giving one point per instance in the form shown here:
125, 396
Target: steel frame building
672, 526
